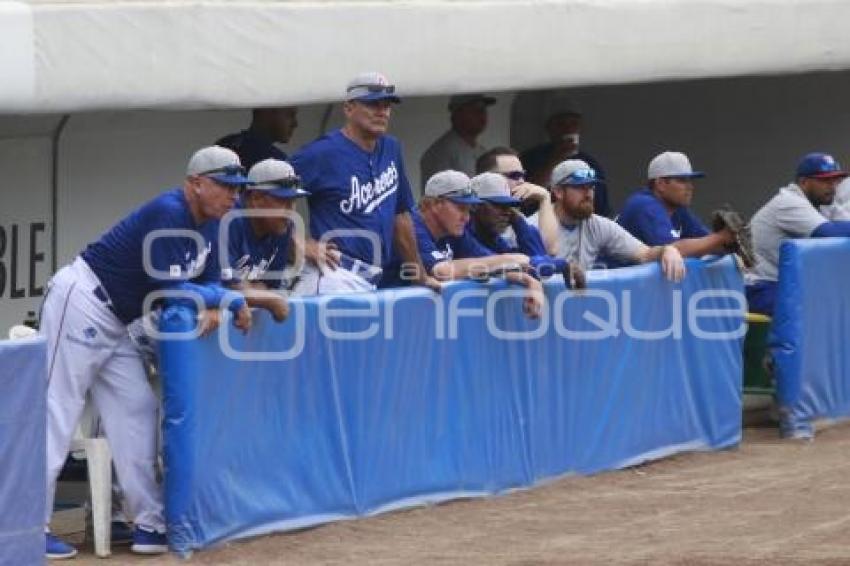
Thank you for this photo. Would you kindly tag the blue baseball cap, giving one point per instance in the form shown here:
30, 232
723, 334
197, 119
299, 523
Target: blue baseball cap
372, 86
218, 163
494, 188
451, 185
277, 178
819, 166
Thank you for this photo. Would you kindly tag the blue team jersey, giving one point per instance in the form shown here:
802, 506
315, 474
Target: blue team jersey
528, 240
434, 250
116, 258
352, 189
646, 219
251, 258
251, 147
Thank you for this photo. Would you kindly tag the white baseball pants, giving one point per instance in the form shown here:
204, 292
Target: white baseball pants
89, 351
313, 281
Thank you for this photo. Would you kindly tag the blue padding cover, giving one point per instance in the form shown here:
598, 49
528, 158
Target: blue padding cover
355, 427
811, 323
23, 421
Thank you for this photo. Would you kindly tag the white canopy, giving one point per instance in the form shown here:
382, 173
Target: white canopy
76, 56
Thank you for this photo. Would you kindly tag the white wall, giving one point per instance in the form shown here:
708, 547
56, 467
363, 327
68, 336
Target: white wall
746, 133
24, 211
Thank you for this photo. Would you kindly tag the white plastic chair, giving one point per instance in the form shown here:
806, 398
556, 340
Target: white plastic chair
98, 462
98, 459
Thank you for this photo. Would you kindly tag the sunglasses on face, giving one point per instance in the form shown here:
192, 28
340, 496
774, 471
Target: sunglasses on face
515, 175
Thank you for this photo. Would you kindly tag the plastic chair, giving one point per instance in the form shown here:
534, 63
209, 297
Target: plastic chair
98, 459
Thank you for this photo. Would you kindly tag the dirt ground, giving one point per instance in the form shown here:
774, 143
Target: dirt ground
767, 502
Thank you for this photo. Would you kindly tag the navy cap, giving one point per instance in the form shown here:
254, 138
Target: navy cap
819, 166
277, 178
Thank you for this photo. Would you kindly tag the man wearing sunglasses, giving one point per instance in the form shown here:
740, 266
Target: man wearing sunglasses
360, 197
257, 236
458, 148
162, 246
659, 215
506, 162
572, 231
446, 250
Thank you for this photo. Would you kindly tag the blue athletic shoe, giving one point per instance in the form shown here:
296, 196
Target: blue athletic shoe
148, 541
58, 549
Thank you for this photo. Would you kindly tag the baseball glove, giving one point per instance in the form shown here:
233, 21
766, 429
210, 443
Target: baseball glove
726, 218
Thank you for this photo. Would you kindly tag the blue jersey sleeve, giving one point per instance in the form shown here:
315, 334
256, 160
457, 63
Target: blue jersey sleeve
649, 223
309, 166
467, 246
528, 238
836, 228
692, 227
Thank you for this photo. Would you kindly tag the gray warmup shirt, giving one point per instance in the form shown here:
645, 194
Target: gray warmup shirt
593, 237
789, 214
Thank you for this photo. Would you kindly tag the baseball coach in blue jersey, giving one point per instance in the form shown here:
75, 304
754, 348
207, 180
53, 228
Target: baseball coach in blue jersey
360, 197
258, 236
164, 245
450, 251
658, 214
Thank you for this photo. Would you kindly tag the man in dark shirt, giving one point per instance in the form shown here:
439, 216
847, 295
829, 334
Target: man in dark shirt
269, 126
564, 129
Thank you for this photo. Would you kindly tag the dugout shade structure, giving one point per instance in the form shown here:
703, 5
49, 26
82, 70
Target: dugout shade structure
425, 405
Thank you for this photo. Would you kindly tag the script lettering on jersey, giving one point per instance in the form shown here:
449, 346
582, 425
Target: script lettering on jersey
196, 266
245, 271
367, 197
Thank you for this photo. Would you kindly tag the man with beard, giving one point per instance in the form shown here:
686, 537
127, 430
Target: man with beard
572, 231
792, 213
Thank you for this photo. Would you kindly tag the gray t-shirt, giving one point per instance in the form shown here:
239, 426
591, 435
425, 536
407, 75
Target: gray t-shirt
593, 237
789, 214
450, 151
